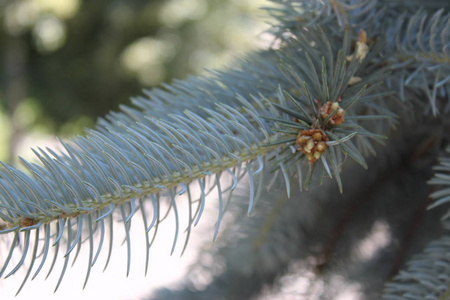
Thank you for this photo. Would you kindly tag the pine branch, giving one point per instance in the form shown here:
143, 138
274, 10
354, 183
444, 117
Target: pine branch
421, 56
315, 98
416, 32
426, 277
166, 144
316, 235
442, 180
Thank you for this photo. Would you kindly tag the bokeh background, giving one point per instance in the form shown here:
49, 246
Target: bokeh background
64, 63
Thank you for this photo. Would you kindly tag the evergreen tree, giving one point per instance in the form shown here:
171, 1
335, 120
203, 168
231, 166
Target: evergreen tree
325, 139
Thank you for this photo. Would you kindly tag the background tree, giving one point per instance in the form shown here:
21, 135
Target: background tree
73, 61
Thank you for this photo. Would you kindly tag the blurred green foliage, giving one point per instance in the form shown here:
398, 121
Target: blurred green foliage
63, 63
76, 58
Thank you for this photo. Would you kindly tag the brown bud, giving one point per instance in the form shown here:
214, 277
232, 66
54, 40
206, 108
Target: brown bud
317, 136
321, 146
317, 154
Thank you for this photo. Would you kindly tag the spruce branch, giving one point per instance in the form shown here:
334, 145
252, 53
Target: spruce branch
426, 277
320, 94
442, 180
314, 236
420, 53
159, 149
416, 33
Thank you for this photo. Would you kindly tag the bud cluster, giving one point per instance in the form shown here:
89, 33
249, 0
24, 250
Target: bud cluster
312, 143
328, 108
